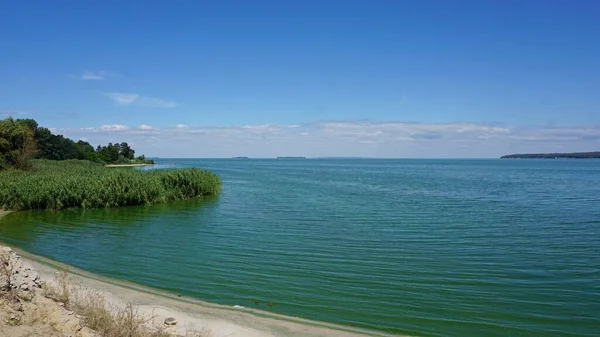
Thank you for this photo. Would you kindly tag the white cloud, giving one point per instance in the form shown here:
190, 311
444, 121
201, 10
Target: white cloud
123, 99
342, 138
131, 98
102, 128
146, 127
92, 75
157, 102
114, 127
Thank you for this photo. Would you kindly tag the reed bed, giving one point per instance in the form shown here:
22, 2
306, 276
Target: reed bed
78, 183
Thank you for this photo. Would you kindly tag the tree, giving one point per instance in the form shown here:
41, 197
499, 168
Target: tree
56, 147
30, 123
117, 146
23, 139
109, 154
86, 151
17, 143
126, 151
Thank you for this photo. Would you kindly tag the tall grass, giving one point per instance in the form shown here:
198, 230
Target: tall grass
77, 183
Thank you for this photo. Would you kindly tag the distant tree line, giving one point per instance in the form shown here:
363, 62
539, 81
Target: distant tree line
23, 139
572, 155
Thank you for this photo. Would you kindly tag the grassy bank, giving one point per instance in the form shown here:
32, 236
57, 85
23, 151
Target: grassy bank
76, 183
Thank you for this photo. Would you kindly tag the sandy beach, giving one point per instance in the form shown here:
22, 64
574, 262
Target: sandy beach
127, 165
216, 320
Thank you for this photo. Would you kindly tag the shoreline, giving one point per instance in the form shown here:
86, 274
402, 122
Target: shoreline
4, 212
127, 165
221, 320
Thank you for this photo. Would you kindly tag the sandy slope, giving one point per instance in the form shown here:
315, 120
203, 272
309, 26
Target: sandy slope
40, 317
24, 310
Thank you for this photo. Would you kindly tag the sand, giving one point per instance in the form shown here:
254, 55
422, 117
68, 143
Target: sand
41, 317
219, 320
126, 165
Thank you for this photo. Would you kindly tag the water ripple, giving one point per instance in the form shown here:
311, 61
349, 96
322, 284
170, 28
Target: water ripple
423, 247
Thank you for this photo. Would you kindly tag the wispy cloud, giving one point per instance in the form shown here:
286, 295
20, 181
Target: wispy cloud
146, 127
93, 75
102, 128
137, 99
157, 102
123, 99
12, 113
344, 138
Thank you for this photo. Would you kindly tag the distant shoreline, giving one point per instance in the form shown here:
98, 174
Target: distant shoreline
570, 155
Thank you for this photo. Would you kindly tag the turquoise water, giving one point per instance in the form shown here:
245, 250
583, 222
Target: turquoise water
422, 247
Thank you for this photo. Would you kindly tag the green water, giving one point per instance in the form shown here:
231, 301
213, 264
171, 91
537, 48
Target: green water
422, 247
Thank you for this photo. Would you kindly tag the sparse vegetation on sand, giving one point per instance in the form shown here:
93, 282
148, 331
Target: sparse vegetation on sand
65, 308
106, 319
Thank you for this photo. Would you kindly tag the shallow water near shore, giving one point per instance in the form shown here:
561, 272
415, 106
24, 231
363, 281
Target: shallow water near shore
422, 247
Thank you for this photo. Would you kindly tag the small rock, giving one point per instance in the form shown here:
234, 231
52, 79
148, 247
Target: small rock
238, 307
61, 304
85, 332
24, 286
170, 321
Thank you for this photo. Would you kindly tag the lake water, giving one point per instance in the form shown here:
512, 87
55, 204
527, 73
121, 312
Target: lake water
422, 247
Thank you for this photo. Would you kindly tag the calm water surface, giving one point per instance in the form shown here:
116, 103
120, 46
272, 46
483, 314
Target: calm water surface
423, 247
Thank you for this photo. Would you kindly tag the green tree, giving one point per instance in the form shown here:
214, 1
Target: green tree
20, 139
126, 151
86, 151
109, 154
55, 147
17, 143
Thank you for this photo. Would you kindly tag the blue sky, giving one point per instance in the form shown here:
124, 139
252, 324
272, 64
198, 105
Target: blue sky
313, 78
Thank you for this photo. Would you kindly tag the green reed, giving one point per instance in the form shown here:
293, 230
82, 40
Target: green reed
77, 183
